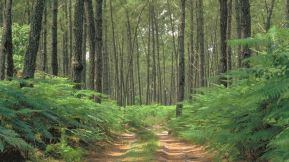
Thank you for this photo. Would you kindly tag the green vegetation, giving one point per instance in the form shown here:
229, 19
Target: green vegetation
34, 116
249, 120
77, 76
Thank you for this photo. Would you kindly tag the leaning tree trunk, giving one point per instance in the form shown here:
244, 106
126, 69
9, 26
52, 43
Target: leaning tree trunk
181, 77
77, 65
34, 36
54, 61
6, 46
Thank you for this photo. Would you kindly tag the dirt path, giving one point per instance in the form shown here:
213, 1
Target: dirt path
116, 152
170, 150
173, 150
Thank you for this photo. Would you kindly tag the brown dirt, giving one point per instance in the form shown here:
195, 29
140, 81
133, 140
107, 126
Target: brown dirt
171, 150
116, 152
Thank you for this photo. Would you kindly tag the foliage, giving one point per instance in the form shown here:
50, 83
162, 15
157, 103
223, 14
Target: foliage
145, 116
34, 116
20, 36
20, 40
65, 151
249, 120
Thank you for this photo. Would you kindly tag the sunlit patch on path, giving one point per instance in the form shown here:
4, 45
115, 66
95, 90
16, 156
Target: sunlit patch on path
116, 152
173, 150
129, 148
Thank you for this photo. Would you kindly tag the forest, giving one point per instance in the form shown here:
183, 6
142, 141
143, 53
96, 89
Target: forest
144, 81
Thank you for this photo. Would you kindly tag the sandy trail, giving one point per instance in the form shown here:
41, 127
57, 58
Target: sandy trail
116, 152
173, 150
170, 150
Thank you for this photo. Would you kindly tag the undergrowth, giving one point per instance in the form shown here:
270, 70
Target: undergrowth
249, 120
50, 113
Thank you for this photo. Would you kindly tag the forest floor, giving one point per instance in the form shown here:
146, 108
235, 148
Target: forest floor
130, 148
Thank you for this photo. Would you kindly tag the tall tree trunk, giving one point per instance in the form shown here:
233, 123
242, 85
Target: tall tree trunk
201, 41
34, 36
192, 52
287, 12
238, 14
116, 64
65, 42
91, 35
6, 43
181, 77
229, 33
138, 73
223, 43
54, 60
83, 59
106, 86
44, 63
77, 65
173, 57
148, 59
99, 44
70, 28
246, 28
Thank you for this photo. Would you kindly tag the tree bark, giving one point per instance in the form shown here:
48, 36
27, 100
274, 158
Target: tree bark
287, 13
223, 39
77, 65
192, 52
201, 41
181, 77
6, 43
106, 87
91, 35
246, 29
44, 66
54, 60
83, 59
34, 36
99, 44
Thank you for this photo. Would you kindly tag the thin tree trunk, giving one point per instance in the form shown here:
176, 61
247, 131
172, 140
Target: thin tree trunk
287, 13
54, 61
117, 83
181, 77
238, 13
148, 59
191, 53
229, 33
173, 57
84, 38
44, 63
70, 37
106, 87
34, 36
